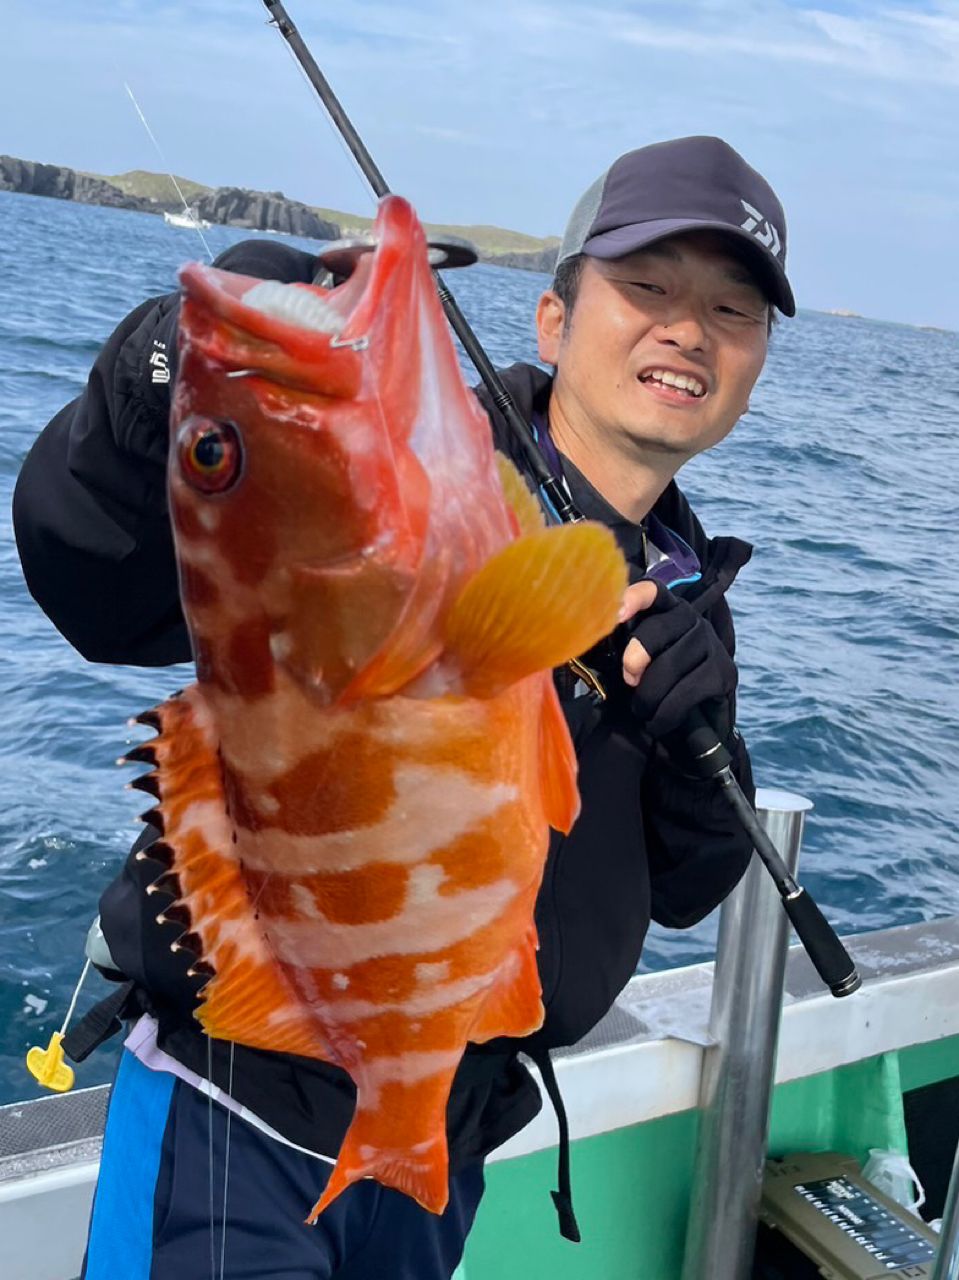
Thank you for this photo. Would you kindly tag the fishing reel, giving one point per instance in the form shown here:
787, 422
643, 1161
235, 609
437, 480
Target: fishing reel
337, 261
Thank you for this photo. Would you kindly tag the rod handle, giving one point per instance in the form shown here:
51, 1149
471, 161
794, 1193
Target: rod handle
830, 958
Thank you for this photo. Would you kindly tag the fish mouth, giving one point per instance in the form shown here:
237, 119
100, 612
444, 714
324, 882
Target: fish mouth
304, 308
306, 334
303, 320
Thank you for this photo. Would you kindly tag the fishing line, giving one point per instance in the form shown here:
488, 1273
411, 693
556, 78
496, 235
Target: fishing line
209, 1140
169, 173
226, 1159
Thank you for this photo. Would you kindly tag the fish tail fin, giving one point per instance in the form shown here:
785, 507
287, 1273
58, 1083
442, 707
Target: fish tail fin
401, 1142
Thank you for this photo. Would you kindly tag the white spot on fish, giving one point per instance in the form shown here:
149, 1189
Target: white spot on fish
304, 902
423, 883
208, 516
34, 1004
34, 863
281, 645
340, 981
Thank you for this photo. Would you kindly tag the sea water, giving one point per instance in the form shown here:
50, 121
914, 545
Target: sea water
843, 476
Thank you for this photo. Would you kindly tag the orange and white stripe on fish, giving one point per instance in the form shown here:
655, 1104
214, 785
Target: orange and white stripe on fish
356, 794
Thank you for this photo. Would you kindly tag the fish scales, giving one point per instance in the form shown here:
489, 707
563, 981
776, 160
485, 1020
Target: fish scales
356, 793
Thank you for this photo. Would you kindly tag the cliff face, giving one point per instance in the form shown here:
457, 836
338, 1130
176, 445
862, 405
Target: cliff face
264, 211
229, 206
537, 260
63, 184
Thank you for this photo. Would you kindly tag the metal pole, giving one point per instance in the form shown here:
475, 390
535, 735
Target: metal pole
947, 1257
738, 1070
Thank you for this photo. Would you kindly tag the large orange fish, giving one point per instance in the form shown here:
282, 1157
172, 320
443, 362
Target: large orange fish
355, 795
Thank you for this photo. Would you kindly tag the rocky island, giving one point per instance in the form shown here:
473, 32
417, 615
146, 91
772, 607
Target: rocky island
153, 193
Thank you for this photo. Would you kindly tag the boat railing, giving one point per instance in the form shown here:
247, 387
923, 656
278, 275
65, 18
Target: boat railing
739, 1066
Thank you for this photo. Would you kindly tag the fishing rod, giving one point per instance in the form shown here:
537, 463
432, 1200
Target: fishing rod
700, 741
552, 489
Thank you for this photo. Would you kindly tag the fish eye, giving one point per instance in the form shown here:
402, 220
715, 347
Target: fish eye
210, 453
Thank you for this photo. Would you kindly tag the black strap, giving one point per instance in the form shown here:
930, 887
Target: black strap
104, 1020
563, 1195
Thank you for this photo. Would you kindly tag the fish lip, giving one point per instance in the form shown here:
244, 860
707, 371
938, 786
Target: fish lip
224, 292
235, 336
253, 344
700, 375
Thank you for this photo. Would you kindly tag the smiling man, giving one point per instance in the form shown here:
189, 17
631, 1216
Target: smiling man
656, 327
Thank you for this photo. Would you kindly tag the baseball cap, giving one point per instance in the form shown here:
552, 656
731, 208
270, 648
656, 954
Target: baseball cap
686, 184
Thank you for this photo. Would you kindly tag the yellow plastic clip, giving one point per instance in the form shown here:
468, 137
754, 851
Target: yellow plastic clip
48, 1065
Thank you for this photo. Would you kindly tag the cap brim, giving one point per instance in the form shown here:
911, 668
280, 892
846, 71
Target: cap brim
623, 240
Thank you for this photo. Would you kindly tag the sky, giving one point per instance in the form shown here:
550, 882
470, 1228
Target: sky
485, 111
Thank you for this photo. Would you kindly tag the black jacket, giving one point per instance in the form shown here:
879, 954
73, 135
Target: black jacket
95, 543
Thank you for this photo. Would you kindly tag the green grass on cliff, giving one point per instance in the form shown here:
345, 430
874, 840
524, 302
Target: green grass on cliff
154, 186
157, 186
488, 239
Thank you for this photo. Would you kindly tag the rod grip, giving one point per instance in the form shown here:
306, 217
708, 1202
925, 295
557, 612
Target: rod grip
832, 961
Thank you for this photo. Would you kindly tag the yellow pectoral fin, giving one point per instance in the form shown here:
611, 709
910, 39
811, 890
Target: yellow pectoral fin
522, 503
537, 603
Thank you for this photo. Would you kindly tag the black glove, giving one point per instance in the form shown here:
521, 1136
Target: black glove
690, 667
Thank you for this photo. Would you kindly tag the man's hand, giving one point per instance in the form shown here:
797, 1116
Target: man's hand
639, 596
674, 660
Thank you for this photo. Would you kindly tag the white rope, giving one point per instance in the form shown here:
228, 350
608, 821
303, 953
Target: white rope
76, 992
189, 212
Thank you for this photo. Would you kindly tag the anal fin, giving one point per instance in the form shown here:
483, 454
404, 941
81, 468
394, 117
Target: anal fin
558, 765
514, 1006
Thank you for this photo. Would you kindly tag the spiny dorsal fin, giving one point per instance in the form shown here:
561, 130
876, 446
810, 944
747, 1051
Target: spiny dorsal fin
248, 998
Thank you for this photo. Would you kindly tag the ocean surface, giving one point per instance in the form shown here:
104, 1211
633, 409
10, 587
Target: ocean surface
843, 476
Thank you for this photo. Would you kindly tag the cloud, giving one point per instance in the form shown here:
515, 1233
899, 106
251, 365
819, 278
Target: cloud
876, 42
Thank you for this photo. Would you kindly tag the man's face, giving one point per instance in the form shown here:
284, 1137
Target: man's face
684, 308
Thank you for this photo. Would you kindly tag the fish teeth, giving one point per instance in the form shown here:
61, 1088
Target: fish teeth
293, 305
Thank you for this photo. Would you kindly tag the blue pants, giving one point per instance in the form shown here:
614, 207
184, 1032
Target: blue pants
151, 1213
